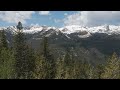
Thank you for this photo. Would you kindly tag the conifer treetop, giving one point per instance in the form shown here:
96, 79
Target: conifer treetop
19, 26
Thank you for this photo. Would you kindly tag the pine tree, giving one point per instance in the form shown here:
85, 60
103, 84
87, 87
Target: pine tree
19, 26
60, 68
3, 40
3, 43
29, 62
7, 66
69, 65
24, 59
86, 70
6, 58
99, 70
49, 59
69, 57
19, 53
40, 67
112, 68
76, 69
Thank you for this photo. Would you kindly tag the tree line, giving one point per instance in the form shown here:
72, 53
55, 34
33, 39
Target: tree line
22, 62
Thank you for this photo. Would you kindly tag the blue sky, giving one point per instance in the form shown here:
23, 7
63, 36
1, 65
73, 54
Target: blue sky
60, 18
49, 19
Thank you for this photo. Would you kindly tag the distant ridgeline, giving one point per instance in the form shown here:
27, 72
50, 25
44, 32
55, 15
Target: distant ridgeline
104, 39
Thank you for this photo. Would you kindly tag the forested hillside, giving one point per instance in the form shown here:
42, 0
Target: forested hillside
21, 60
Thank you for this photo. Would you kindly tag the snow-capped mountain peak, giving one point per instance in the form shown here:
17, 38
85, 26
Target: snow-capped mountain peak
72, 29
108, 29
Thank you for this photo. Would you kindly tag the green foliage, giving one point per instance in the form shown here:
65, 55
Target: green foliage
112, 68
24, 57
76, 74
45, 63
6, 58
67, 59
86, 71
3, 41
29, 62
69, 65
22, 62
60, 69
7, 64
69, 68
40, 67
19, 54
98, 71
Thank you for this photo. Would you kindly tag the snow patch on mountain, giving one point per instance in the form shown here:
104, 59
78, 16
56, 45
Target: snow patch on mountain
85, 36
33, 30
67, 36
108, 29
72, 29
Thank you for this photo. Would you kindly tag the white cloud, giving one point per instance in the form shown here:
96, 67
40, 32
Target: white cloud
65, 14
35, 25
58, 20
44, 12
93, 18
15, 16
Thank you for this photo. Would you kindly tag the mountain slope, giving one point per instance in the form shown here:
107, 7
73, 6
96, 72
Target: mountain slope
105, 38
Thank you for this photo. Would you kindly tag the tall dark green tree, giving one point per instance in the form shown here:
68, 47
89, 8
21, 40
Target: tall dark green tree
112, 68
69, 56
40, 66
19, 26
7, 65
86, 70
24, 59
60, 68
6, 58
49, 59
69, 65
3, 40
3, 45
29, 62
99, 70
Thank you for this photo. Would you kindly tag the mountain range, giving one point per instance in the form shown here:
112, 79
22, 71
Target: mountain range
96, 42
85, 31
